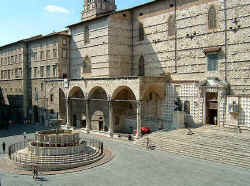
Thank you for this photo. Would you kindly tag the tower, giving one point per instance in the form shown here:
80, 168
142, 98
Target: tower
94, 8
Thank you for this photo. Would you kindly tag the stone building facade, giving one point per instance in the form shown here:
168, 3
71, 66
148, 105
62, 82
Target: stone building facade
127, 68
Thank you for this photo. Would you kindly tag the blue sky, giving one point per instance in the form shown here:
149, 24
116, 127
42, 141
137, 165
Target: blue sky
25, 18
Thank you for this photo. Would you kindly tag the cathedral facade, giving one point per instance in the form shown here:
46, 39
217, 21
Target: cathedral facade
116, 71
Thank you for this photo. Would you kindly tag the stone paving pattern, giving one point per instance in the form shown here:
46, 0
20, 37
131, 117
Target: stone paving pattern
134, 165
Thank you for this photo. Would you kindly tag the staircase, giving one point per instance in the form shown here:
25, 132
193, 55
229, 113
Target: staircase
205, 143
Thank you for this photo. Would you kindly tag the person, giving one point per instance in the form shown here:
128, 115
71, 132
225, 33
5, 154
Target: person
4, 147
147, 143
34, 172
215, 120
24, 136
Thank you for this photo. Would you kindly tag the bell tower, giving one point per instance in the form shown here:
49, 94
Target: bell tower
94, 8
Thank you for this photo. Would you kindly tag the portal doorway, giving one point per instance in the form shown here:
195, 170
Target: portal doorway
211, 108
74, 120
35, 113
101, 124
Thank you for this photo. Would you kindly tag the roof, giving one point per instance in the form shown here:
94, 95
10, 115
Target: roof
20, 41
61, 33
37, 37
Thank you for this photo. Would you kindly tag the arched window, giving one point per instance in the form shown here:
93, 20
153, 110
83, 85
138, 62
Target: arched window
141, 32
141, 66
212, 17
86, 65
171, 26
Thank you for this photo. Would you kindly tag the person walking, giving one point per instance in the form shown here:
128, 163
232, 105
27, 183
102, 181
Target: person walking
34, 172
4, 145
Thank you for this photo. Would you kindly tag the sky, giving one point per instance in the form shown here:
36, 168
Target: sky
21, 19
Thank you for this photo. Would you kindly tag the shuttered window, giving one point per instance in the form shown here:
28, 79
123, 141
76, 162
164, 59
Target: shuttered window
212, 62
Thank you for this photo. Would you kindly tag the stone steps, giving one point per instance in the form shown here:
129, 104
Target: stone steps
204, 144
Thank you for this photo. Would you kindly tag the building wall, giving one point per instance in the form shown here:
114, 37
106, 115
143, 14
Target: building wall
119, 43
96, 49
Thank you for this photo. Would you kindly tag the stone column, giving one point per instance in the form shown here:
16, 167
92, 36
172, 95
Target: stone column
139, 118
87, 115
111, 129
67, 110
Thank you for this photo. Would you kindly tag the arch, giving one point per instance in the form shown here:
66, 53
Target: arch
76, 106
76, 92
98, 108
156, 89
171, 26
124, 110
141, 67
118, 91
97, 92
152, 103
212, 20
62, 104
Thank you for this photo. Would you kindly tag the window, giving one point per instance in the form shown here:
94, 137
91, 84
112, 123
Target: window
212, 64
8, 60
20, 72
64, 53
86, 34
35, 56
48, 71
8, 74
42, 55
20, 58
48, 54
41, 71
141, 32
212, 17
171, 26
41, 86
64, 42
35, 72
141, 66
16, 59
1, 61
16, 73
51, 98
54, 53
12, 60
55, 70
86, 65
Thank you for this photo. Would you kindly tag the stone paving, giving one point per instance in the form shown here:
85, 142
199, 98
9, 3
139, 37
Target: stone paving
135, 166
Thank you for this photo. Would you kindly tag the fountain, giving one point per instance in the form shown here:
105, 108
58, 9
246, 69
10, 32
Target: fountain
56, 150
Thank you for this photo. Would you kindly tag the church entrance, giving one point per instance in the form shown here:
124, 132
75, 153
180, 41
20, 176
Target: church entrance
74, 120
35, 113
211, 108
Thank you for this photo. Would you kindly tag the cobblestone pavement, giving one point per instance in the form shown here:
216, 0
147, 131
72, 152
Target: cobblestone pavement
133, 165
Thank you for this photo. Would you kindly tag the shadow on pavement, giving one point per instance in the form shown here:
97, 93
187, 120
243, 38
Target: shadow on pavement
19, 129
